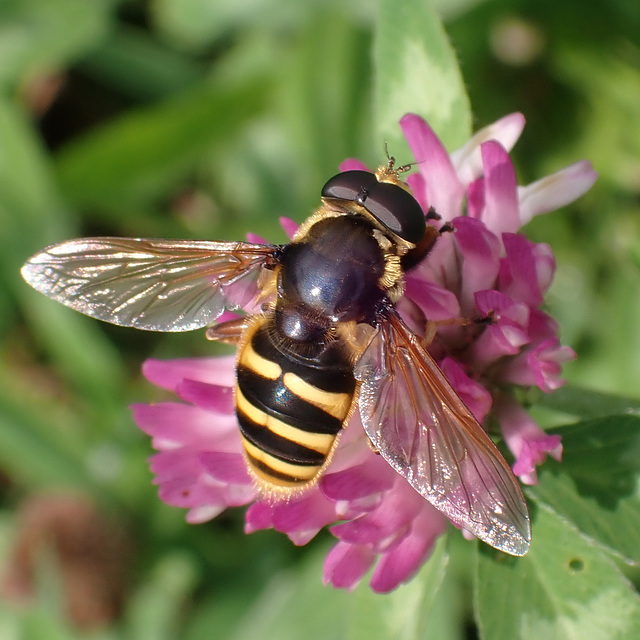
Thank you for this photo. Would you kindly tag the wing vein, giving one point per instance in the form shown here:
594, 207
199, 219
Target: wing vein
426, 433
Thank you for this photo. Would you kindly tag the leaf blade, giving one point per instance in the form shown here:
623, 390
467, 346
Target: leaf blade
417, 71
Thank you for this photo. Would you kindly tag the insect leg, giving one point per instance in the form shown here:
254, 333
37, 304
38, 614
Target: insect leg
228, 332
464, 322
432, 326
420, 251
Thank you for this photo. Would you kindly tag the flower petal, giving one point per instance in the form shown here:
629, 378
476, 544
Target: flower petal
443, 188
540, 365
442, 266
401, 563
556, 191
346, 564
184, 483
541, 326
528, 443
527, 270
507, 332
418, 188
256, 239
501, 212
361, 481
386, 524
168, 374
173, 424
258, 516
472, 393
475, 199
468, 161
230, 468
302, 518
212, 397
480, 264
353, 164
290, 226
435, 302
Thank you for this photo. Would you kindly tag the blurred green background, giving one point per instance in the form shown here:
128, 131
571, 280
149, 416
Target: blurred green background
207, 119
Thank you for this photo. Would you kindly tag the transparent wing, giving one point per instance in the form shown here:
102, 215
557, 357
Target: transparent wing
426, 433
157, 285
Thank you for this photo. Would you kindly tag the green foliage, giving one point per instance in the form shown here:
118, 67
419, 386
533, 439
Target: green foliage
417, 72
117, 116
586, 513
566, 587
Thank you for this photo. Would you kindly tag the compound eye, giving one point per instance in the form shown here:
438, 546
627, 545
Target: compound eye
392, 206
350, 185
397, 210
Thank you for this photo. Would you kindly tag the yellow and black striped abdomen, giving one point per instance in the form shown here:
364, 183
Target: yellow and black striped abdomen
290, 406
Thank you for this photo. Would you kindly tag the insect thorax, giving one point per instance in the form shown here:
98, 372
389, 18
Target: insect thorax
335, 270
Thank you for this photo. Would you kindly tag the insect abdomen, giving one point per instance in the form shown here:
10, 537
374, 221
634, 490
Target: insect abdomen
290, 406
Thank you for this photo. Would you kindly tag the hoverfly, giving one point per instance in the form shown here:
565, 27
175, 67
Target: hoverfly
326, 338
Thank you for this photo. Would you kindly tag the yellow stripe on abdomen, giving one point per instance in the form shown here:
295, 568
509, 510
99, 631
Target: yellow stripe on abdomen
263, 367
295, 474
321, 442
335, 404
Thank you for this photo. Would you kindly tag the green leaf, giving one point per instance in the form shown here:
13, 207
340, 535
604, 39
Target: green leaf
35, 35
417, 71
34, 451
610, 85
294, 601
588, 403
406, 613
565, 588
31, 214
31, 211
142, 154
133, 62
297, 600
155, 610
43, 623
327, 104
198, 23
594, 487
78, 348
